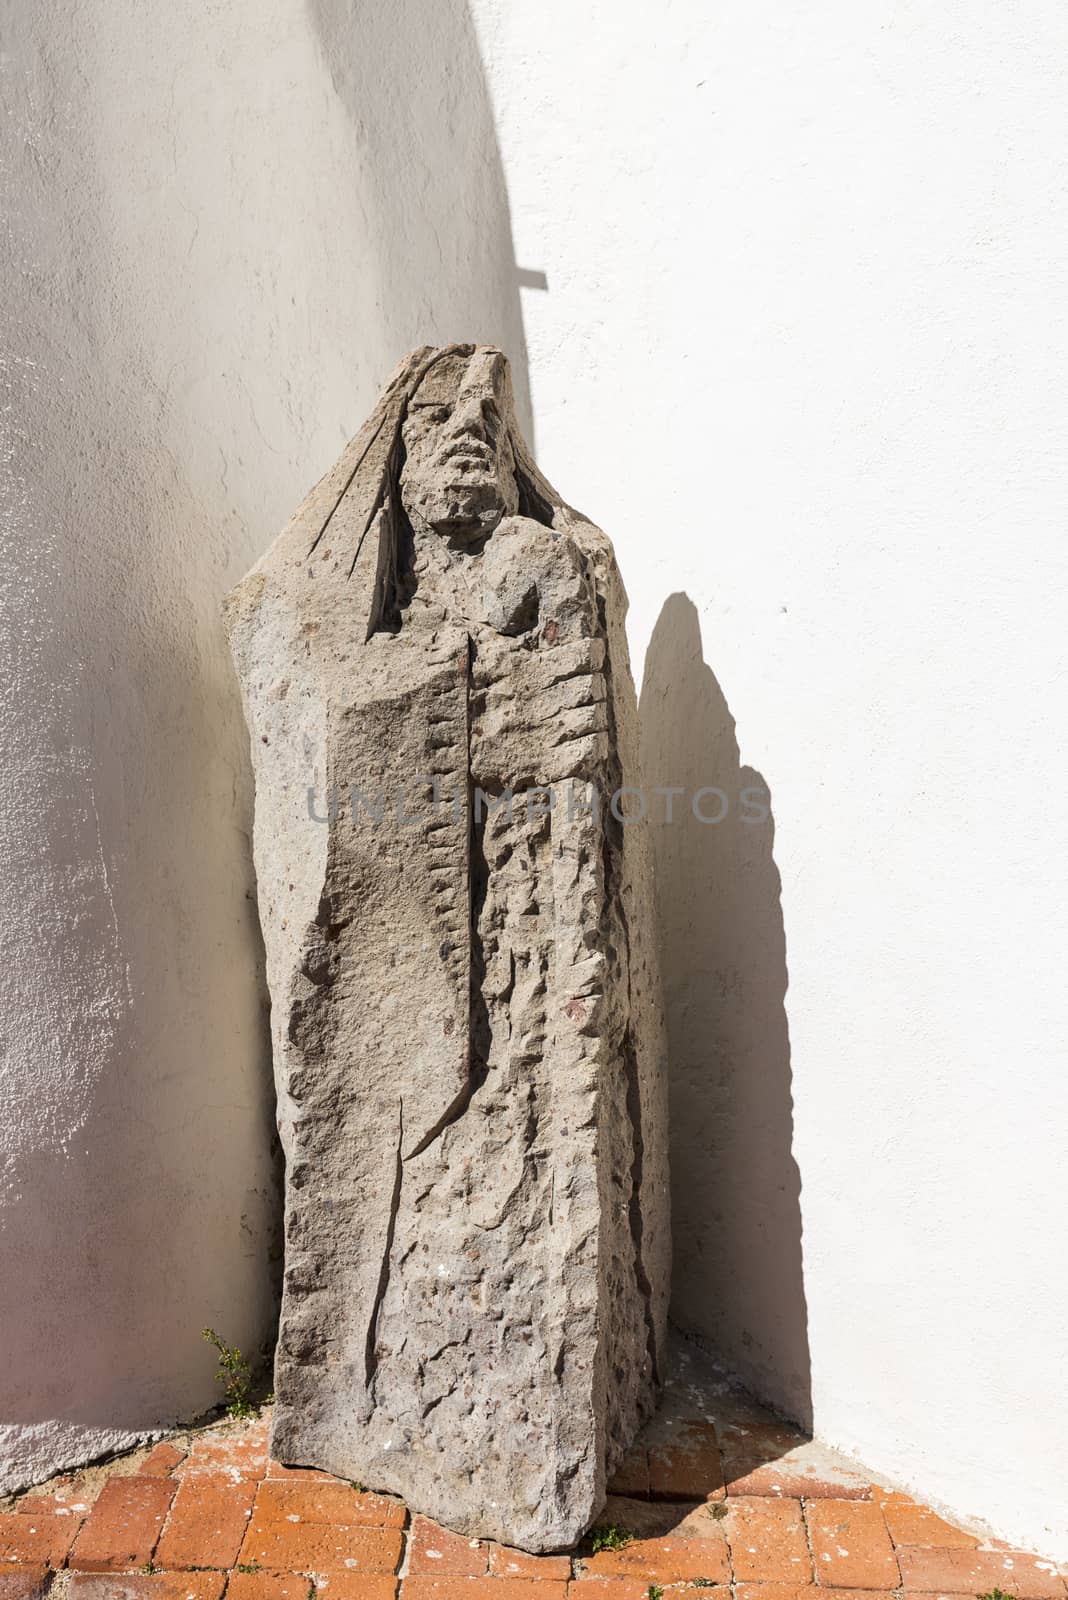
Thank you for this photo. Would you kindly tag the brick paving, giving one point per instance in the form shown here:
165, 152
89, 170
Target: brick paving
717, 1495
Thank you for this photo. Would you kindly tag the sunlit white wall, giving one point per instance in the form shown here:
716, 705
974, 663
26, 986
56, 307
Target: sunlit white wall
802, 353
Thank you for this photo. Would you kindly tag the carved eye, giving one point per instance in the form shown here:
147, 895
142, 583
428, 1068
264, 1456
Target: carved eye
432, 413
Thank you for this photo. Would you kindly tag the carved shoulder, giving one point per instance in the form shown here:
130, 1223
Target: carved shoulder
531, 576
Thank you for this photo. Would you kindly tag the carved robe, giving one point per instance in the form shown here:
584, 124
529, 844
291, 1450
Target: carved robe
466, 1027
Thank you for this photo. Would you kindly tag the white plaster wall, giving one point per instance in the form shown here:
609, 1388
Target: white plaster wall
802, 353
223, 224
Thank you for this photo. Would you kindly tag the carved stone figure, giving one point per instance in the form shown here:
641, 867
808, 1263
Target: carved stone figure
466, 1020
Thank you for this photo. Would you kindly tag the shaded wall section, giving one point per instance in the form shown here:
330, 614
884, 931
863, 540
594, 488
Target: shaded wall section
213, 255
736, 1215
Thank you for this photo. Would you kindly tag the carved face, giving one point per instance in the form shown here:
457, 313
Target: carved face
459, 472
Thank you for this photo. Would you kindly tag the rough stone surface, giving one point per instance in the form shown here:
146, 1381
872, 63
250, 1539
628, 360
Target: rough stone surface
466, 1014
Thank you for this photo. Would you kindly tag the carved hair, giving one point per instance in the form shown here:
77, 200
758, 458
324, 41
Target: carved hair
374, 482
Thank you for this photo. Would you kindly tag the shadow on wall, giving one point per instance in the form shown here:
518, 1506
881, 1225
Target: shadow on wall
735, 1188
292, 196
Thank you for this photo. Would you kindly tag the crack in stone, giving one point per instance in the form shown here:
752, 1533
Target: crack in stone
371, 1354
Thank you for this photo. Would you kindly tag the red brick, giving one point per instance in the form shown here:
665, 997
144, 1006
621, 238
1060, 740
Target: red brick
914, 1524
589, 1587
327, 1500
294, 1586
750, 1447
975, 1572
767, 1540
353, 1586
31, 1538
268, 1586
275, 1469
281, 1545
160, 1462
689, 1467
851, 1545
451, 1587
506, 1563
272, 1586
923, 1594
664, 1561
39, 1505
124, 1525
771, 1458
631, 1477
784, 1482
24, 1583
69, 1500
670, 1542
147, 1586
207, 1524
435, 1552
664, 1519
234, 1450
801, 1591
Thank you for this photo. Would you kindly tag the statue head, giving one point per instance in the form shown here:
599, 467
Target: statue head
459, 473
440, 454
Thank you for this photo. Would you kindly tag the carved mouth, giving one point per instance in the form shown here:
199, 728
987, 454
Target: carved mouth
469, 480
468, 456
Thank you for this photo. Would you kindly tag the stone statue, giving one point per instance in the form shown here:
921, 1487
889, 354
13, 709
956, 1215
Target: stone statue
455, 901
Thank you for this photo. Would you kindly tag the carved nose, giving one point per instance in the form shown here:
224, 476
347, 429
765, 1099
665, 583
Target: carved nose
468, 418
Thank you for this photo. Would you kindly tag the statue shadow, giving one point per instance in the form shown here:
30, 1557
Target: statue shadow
738, 1288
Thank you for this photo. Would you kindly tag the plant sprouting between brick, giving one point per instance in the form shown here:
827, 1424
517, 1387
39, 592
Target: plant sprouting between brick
234, 1375
609, 1537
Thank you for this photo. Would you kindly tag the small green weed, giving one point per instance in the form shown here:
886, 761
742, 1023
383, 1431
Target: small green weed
609, 1537
656, 1591
995, 1594
702, 1583
248, 1566
234, 1375
150, 1567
